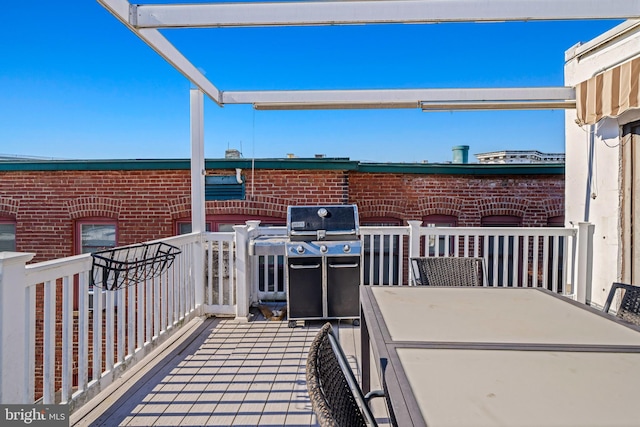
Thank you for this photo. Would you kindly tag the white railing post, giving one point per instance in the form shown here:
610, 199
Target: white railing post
585, 262
414, 244
414, 238
14, 342
244, 273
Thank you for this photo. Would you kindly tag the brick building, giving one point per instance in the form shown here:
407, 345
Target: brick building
62, 208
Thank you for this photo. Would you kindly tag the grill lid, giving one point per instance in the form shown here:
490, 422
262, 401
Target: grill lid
322, 221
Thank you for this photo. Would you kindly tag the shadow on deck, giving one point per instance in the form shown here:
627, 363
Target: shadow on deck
221, 373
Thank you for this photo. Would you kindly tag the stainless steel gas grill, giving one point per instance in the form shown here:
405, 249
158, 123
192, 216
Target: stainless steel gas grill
323, 254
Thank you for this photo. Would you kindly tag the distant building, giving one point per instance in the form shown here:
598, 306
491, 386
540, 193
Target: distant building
519, 156
19, 157
232, 153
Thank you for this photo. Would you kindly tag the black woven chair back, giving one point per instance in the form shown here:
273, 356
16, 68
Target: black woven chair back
629, 309
448, 271
335, 401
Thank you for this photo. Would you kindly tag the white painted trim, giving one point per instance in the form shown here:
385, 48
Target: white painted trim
432, 99
121, 10
377, 12
581, 50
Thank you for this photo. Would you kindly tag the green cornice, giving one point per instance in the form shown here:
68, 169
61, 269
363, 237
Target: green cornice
464, 169
93, 165
283, 164
294, 163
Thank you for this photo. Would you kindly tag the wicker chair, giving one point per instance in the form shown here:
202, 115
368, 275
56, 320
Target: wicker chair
448, 271
629, 309
336, 397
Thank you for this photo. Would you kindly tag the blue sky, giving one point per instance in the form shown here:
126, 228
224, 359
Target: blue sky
77, 84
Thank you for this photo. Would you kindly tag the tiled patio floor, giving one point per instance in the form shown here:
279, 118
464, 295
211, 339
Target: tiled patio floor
226, 373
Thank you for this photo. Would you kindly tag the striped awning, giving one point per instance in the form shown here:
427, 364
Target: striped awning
609, 94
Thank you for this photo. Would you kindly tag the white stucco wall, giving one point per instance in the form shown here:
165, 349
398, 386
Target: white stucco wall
596, 198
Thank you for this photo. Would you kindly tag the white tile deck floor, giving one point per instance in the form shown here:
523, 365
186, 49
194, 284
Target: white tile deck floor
226, 373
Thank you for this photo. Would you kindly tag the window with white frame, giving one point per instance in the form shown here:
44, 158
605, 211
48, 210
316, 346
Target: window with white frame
96, 235
92, 235
503, 250
7, 235
379, 249
437, 220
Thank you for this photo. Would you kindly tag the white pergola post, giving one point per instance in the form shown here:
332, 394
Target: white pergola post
14, 337
198, 223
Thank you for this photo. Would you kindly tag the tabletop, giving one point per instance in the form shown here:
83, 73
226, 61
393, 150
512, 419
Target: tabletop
498, 356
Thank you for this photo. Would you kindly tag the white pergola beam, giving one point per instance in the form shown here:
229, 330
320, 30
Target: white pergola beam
375, 12
121, 9
427, 99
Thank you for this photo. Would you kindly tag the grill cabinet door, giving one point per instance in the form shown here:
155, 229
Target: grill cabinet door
343, 282
305, 288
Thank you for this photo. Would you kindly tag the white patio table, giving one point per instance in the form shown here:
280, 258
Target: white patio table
476, 356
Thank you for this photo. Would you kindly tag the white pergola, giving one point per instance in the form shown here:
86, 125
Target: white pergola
146, 21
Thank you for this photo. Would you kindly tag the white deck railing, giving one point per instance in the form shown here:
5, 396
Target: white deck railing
220, 274
513, 256
62, 342
529, 257
71, 339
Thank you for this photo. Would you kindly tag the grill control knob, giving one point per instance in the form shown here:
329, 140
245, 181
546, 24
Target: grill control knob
322, 212
300, 249
323, 249
346, 249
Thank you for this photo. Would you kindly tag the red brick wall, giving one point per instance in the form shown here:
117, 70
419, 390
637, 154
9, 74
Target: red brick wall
468, 197
147, 203
49, 203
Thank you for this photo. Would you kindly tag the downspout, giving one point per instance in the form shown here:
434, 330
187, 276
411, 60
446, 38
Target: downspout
587, 199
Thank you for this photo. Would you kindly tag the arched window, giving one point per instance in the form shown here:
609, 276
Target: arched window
91, 235
380, 221
7, 234
270, 275
555, 221
95, 234
501, 221
437, 220
503, 250
385, 251
226, 222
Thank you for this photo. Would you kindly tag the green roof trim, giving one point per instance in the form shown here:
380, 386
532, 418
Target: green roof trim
293, 163
465, 168
343, 164
93, 165
177, 164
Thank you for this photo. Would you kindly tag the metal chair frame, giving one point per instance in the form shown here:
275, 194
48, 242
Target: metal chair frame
448, 271
335, 394
629, 308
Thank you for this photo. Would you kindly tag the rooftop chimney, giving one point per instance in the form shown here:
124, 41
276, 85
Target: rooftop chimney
460, 154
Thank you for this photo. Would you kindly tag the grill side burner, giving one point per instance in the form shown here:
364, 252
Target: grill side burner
323, 264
